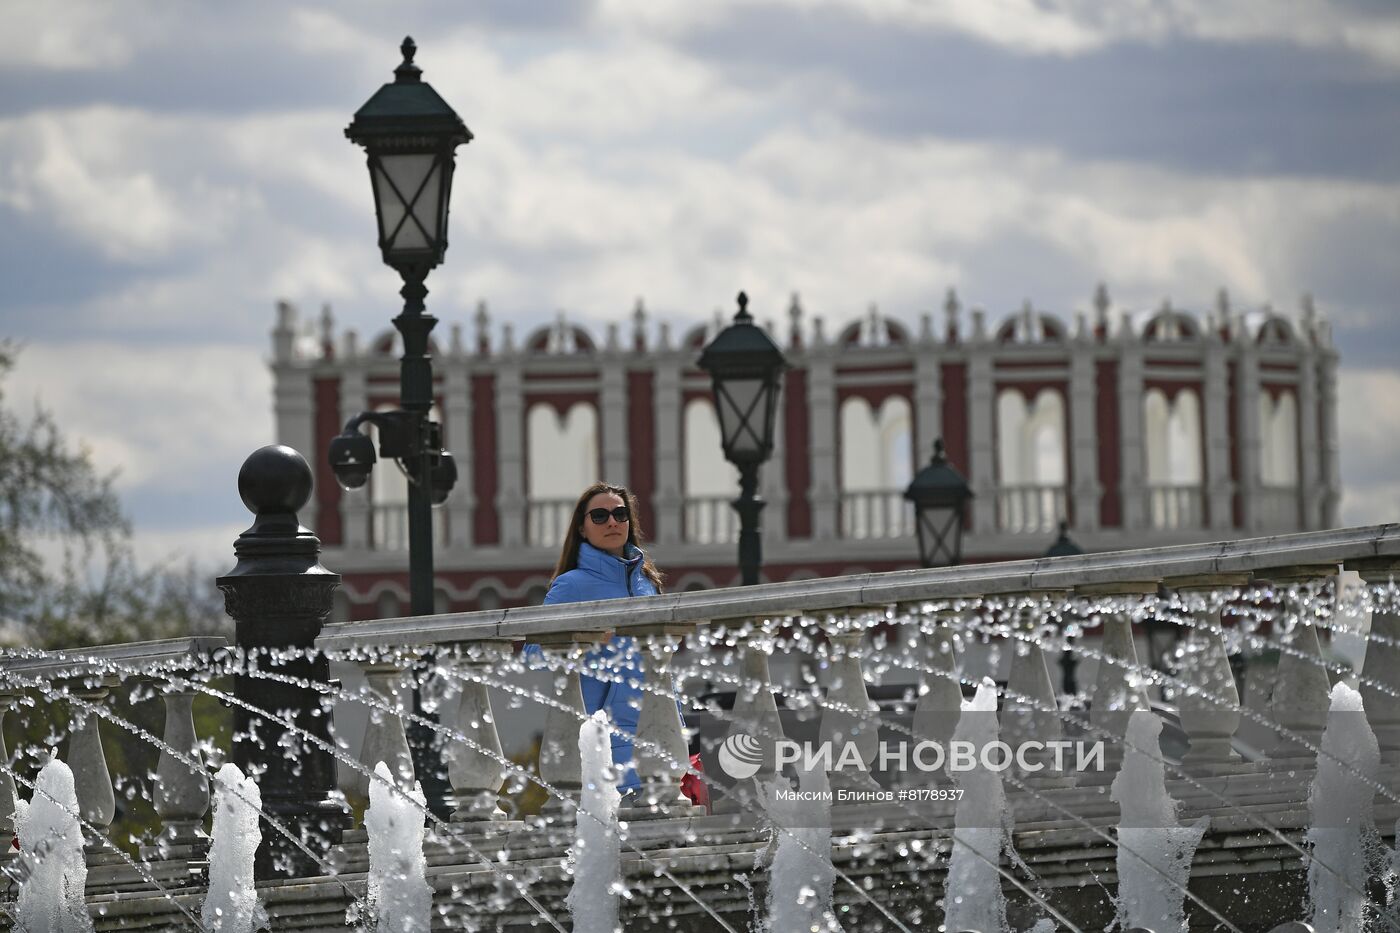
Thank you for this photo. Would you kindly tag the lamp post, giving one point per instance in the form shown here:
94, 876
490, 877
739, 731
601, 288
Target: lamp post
940, 496
410, 136
746, 367
1064, 546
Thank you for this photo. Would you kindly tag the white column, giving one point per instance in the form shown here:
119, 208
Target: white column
510, 455
821, 422
1119, 689
1331, 476
355, 505
755, 714
461, 505
1215, 410
940, 690
295, 413
1247, 394
1312, 495
1084, 442
1133, 473
612, 397
773, 482
928, 400
669, 422
982, 470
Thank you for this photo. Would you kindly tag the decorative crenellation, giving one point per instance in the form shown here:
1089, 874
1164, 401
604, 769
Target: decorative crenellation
303, 341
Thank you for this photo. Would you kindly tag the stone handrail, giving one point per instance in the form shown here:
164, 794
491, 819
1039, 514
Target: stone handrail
875, 590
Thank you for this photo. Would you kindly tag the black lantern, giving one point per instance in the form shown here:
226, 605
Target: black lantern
1064, 546
747, 368
940, 496
410, 134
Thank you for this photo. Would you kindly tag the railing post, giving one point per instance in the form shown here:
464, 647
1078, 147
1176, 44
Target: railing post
1302, 689
1380, 687
476, 773
1119, 690
279, 596
660, 754
560, 764
1210, 711
8, 796
385, 739
848, 716
939, 705
182, 790
1030, 711
97, 800
755, 713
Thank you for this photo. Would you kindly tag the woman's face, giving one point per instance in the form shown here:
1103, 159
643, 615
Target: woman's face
611, 536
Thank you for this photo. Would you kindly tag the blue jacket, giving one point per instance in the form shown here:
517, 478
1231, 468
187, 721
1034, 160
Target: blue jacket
599, 575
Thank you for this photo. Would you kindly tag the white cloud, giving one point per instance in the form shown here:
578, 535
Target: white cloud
165, 417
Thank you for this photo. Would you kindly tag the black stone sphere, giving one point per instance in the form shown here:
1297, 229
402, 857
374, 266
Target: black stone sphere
274, 479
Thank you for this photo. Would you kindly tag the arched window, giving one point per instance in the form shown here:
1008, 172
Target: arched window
1031, 461
1172, 442
388, 605
876, 465
488, 598
709, 481
563, 462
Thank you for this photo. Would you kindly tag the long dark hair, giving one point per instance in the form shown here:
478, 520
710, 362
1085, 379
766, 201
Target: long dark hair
568, 556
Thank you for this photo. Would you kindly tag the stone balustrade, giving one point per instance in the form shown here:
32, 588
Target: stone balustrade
921, 628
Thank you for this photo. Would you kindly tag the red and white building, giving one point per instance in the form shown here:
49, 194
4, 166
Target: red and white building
1145, 428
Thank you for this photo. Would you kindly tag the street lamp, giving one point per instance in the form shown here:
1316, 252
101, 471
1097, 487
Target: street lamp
746, 367
410, 136
1064, 546
940, 496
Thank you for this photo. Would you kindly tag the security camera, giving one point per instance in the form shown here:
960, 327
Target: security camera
442, 478
352, 458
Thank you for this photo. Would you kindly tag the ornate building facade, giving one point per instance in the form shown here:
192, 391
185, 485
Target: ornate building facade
1157, 427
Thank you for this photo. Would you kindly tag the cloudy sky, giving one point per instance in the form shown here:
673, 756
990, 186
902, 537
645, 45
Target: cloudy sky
168, 171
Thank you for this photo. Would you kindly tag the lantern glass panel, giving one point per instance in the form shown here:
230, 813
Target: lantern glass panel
408, 189
940, 535
741, 414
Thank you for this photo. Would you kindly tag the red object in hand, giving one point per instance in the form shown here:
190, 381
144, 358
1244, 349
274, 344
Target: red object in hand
694, 787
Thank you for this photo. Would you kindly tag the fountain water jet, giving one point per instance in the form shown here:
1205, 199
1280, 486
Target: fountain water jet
232, 903
400, 898
51, 895
597, 849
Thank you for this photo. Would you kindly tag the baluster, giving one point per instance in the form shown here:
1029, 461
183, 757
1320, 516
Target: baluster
1119, 687
1302, 689
476, 772
755, 714
385, 739
97, 801
560, 764
182, 790
1210, 714
8, 796
1030, 712
848, 716
1380, 687
661, 754
940, 690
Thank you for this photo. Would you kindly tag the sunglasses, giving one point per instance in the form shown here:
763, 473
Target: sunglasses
620, 514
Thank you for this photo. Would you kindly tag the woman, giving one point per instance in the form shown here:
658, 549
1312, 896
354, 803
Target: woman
601, 559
